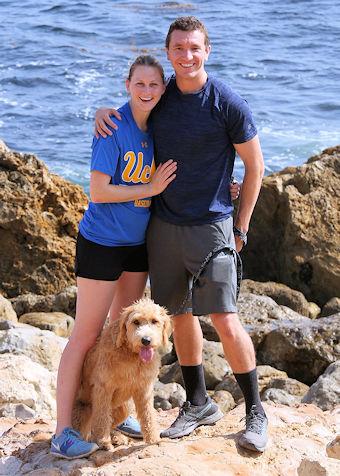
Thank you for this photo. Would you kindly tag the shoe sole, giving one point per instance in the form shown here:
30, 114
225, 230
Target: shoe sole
209, 420
126, 433
59, 455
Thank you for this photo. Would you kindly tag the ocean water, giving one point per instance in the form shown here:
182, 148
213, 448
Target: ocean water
60, 60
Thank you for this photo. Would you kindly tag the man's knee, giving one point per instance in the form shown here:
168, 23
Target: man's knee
227, 325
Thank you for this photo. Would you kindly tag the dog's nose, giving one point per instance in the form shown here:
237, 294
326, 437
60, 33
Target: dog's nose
146, 340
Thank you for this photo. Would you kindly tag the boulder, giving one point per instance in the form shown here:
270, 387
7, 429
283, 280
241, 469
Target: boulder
265, 374
303, 350
331, 307
281, 294
168, 395
7, 313
17, 410
214, 364
57, 322
289, 385
224, 400
42, 347
259, 315
276, 395
39, 215
26, 382
325, 392
333, 448
296, 228
65, 301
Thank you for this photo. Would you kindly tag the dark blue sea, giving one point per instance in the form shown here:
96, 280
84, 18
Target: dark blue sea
60, 60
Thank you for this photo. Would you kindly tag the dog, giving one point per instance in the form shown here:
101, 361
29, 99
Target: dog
123, 364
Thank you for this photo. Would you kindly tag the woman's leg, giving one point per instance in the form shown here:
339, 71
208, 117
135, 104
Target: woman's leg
130, 287
93, 303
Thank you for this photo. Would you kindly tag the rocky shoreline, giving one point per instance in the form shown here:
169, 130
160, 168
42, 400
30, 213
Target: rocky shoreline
294, 324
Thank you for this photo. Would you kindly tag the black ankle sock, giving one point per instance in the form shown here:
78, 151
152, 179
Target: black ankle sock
249, 387
194, 382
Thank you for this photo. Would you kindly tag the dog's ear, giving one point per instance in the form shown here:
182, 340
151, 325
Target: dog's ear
167, 328
121, 337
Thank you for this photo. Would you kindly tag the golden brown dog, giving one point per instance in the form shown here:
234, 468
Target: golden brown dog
123, 364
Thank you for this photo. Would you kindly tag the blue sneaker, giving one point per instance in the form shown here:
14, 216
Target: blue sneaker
130, 427
70, 445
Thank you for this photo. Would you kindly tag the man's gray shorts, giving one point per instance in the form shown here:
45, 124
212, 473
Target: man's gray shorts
176, 254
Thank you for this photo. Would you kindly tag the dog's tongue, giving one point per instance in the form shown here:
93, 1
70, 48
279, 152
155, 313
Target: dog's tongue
146, 354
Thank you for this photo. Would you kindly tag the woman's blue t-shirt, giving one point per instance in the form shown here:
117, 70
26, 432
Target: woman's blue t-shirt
127, 156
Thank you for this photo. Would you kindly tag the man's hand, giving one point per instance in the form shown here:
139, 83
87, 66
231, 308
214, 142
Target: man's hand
235, 189
102, 120
238, 243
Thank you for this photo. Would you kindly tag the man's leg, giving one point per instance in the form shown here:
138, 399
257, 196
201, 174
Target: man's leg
198, 409
239, 352
188, 341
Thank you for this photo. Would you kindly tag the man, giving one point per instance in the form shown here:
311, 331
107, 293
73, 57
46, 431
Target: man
200, 123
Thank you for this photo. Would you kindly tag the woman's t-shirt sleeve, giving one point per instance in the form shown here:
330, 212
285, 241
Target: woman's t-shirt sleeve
105, 154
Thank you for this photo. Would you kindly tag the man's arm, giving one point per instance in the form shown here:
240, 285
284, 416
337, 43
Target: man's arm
251, 155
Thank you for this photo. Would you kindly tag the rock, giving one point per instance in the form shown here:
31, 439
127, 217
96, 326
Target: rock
214, 364
325, 392
277, 395
20, 411
311, 467
281, 294
5, 325
230, 385
57, 322
296, 434
224, 400
39, 215
331, 307
296, 223
333, 448
26, 382
168, 395
303, 350
265, 374
289, 385
29, 302
43, 347
7, 313
259, 315
313, 310
64, 301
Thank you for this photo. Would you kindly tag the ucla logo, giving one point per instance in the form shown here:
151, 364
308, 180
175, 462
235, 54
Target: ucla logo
134, 171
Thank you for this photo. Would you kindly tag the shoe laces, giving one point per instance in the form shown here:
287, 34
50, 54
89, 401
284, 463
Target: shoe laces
254, 421
184, 408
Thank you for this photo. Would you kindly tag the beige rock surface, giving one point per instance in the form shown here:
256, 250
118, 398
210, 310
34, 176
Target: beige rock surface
297, 223
7, 313
298, 439
57, 322
39, 215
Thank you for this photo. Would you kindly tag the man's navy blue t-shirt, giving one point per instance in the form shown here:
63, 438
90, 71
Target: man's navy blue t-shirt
198, 132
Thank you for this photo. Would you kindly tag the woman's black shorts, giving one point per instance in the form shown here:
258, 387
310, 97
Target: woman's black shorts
107, 263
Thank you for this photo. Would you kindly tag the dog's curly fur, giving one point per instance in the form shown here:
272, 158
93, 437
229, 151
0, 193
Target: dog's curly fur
114, 371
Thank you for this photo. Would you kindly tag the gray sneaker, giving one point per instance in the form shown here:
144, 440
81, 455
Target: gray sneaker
255, 436
191, 416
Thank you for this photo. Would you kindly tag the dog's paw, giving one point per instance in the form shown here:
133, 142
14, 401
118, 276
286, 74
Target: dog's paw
152, 439
105, 445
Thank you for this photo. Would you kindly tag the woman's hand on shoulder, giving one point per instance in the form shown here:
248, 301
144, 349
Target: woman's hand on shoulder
164, 174
102, 120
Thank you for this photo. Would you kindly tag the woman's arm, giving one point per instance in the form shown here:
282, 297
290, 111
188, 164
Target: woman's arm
102, 191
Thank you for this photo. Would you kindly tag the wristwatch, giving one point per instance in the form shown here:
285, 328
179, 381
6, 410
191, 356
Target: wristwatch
241, 234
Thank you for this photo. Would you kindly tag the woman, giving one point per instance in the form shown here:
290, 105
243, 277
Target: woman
111, 259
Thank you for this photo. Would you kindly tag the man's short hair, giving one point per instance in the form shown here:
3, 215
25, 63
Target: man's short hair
187, 24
